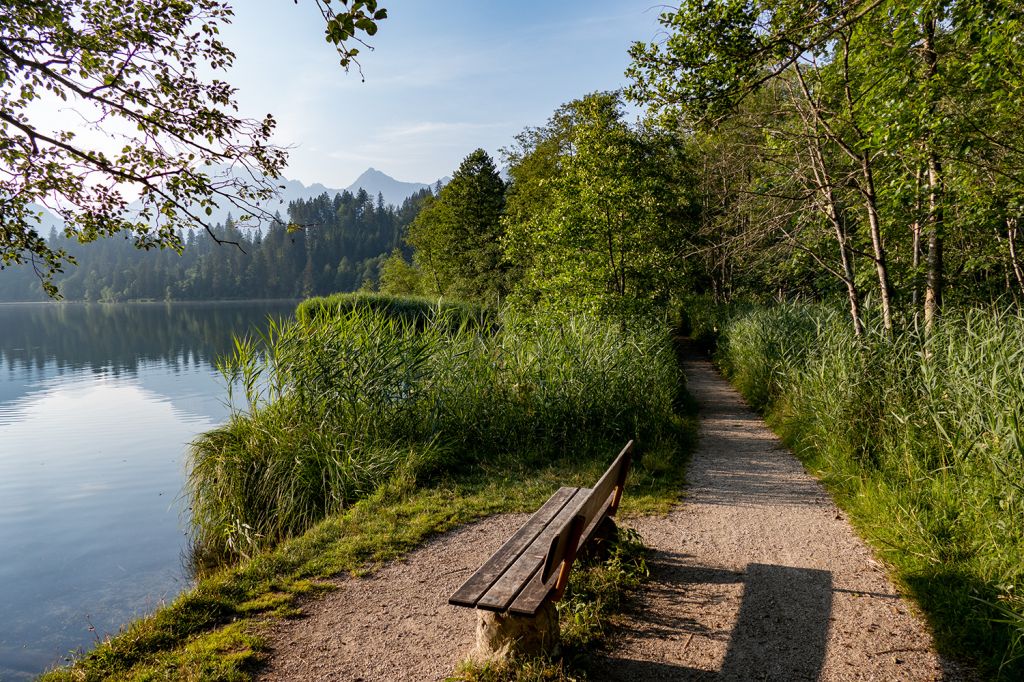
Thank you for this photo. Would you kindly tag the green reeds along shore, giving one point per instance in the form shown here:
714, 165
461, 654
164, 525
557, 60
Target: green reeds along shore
329, 407
922, 439
357, 433
418, 309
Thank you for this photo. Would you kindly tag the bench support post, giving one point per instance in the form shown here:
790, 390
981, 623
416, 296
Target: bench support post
499, 635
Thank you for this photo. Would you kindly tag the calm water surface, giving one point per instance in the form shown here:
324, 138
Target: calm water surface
97, 404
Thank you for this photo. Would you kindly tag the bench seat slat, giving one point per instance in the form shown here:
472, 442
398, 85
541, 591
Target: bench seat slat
513, 579
533, 595
480, 582
519, 574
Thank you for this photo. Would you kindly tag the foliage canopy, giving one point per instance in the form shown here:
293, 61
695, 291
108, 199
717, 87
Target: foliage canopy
595, 209
457, 237
108, 119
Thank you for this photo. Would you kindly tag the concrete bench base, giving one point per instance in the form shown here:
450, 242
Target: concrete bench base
501, 635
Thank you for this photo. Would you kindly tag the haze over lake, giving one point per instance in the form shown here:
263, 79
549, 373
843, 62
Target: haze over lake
97, 405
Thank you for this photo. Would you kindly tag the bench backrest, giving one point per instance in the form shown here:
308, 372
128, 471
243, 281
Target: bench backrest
533, 565
603, 500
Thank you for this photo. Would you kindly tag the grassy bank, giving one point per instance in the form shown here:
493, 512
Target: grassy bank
417, 309
920, 439
358, 435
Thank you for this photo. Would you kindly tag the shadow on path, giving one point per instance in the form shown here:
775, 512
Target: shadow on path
780, 633
782, 630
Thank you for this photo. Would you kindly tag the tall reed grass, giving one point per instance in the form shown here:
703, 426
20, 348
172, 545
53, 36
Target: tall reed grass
419, 309
329, 407
922, 437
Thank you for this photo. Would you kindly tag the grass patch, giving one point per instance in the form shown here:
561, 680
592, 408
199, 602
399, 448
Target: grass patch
921, 439
418, 310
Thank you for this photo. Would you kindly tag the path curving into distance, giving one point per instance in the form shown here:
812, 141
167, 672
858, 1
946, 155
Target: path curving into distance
758, 575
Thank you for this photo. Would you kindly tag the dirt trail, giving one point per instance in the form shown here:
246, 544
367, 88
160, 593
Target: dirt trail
395, 624
756, 577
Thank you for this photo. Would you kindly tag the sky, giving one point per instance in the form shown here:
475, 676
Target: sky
445, 77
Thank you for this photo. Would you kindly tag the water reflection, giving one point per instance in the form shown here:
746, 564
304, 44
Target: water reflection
124, 334
97, 404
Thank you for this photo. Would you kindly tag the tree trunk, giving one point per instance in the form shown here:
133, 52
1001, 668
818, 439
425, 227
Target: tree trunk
934, 278
1011, 240
915, 229
848, 275
831, 210
877, 245
867, 190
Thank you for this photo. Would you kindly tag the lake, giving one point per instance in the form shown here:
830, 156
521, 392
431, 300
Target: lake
97, 406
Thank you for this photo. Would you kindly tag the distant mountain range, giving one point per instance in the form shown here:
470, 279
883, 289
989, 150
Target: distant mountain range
372, 180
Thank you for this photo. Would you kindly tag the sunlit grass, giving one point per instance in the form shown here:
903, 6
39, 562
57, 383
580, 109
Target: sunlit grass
416, 309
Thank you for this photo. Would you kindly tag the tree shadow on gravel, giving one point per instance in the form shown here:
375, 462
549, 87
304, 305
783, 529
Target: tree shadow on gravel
780, 632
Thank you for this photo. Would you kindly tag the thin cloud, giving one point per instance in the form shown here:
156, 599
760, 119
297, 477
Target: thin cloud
435, 128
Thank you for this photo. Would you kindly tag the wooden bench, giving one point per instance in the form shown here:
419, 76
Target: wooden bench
515, 590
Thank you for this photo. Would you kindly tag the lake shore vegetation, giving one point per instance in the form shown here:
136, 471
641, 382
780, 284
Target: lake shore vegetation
360, 434
335, 404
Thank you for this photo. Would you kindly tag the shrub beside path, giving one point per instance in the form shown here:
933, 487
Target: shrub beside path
757, 576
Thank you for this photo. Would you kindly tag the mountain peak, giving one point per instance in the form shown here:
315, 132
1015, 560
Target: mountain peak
376, 182
372, 173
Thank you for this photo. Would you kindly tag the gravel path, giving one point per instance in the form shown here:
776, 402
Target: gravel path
395, 624
756, 577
